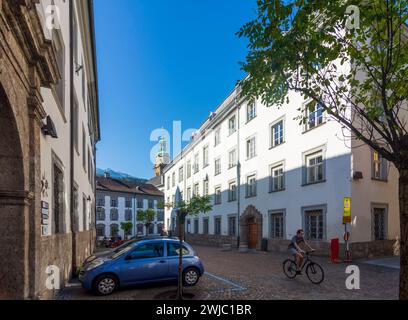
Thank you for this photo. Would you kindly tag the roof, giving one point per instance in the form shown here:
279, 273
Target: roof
125, 186
156, 181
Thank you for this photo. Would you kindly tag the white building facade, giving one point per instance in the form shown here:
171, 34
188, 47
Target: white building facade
119, 201
268, 176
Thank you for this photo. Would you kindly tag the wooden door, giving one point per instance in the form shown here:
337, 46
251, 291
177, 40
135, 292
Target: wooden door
253, 235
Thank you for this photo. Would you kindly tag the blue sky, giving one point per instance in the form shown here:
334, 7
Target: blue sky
161, 61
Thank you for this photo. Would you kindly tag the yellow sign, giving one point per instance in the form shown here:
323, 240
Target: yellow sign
347, 211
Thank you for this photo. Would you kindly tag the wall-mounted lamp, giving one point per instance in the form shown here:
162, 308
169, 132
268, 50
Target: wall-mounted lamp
48, 129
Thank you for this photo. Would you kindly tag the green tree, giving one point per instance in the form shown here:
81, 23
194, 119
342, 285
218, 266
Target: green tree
146, 217
127, 228
352, 61
194, 207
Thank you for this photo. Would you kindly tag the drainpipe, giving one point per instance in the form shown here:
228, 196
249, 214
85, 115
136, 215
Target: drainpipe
71, 72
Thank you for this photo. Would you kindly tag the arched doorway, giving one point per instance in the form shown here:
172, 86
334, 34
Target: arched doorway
13, 206
251, 228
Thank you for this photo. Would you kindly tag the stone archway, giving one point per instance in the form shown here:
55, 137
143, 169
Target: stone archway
14, 206
251, 228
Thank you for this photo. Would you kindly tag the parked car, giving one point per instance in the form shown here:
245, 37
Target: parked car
145, 261
130, 242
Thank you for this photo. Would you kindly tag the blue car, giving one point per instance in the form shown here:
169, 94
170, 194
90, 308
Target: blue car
145, 261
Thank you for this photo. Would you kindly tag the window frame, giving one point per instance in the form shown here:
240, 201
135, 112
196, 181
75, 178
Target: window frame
323, 208
271, 215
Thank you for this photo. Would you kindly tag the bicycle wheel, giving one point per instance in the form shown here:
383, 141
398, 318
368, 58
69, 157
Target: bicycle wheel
289, 268
315, 273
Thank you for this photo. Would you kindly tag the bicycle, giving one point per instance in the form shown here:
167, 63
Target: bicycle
314, 271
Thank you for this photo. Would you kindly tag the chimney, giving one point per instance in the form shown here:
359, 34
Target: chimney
107, 174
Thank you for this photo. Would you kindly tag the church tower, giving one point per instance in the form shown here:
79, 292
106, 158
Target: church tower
162, 158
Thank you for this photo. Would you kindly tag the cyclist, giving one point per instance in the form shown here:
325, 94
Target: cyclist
295, 250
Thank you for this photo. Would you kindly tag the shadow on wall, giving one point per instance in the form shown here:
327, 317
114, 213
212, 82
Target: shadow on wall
294, 200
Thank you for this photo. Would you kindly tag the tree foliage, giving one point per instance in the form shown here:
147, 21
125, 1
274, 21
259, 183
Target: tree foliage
351, 59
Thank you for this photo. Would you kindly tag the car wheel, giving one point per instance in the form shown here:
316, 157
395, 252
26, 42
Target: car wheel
105, 285
191, 277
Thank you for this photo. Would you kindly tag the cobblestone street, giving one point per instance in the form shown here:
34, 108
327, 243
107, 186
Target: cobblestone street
259, 276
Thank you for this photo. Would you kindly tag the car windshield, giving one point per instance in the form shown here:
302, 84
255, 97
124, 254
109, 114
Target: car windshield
121, 252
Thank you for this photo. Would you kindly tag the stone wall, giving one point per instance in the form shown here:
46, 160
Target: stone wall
56, 250
210, 240
85, 244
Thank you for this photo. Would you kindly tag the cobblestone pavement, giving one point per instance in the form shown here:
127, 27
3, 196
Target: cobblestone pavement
259, 276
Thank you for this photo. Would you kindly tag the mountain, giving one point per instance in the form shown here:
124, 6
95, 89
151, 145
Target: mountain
118, 175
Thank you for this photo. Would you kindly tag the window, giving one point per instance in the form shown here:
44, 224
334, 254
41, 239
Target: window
114, 215
277, 225
196, 226
60, 55
277, 179
205, 188
173, 250
277, 134
140, 203
217, 166
58, 199
196, 189
232, 125
205, 225
379, 223
232, 191
182, 195
84, 212
114, 202
251, 186
147, 251
75, 41
217, 137
188, 194
150, 204
232, 158
76, 209
160, 215
76, 125
100, 230
379, 167
251, 148
205, 156
181, 174
151, 229
173, 179
251, 111
314, 115
168, 183
128, 215
128, 203
83, 148
232, 226
114, 230
101, 202
100, 214
314, 224
217, 198
217, 226
189, 169
196, 162
315, 171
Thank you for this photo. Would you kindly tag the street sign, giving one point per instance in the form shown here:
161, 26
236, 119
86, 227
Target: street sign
347, 211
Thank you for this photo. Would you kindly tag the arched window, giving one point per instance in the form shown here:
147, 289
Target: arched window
100, 214
114, 228
128, 215
100, 230
114, 215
